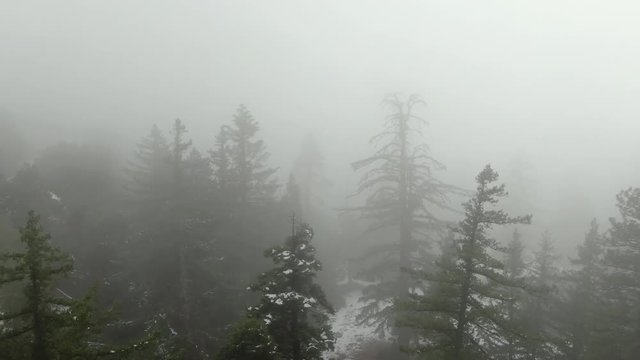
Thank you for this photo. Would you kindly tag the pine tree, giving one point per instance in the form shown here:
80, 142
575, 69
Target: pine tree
620, 334
247, 187
221, 160
249, 217
149, 171
240, 162
402, 194
540, 320
582, 303
461, 316
48, 326
292, 306
171, 249
249, 340
40, 265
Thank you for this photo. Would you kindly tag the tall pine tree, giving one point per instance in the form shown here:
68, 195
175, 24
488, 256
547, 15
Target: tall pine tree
622, 280
461, 316
292, 306
171, 246
402, 194
250, 217
581, 309
239, 160
50, 324
539, 312
515, 270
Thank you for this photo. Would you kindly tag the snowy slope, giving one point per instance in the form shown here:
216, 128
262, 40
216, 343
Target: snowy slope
350, 335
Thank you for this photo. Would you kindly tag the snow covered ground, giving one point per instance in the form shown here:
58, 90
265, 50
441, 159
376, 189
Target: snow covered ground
350, 335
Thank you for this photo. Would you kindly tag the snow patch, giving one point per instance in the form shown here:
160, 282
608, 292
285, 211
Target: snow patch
350, 334
54, 197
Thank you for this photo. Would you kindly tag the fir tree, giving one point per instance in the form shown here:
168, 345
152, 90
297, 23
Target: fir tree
581, 308
48, 326
240, 161
249, 217
220, 157
39, 266
621, 332
461, 317
149, 170
249, 340
171, 249
292, 306
515, 271
540, 320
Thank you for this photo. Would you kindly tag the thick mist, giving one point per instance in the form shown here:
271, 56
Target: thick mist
543, 91
550, 83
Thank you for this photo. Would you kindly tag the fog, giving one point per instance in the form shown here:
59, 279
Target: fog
544, 91
553, 81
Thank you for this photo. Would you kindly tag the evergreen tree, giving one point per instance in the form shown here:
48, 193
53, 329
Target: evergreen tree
292, 306
621, 300
247, 187
48, 326
461, 316
149, 170
515, 271
402, 194
582, 314
240, 162
249, 340
171, 277
249, 217
221, 160
540, 317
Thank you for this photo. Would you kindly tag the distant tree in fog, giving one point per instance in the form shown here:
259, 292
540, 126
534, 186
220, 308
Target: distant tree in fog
540, 319
149, 169
620, 334
170, 246
581, 311
402, 194
515, 270
240, 161
250, 216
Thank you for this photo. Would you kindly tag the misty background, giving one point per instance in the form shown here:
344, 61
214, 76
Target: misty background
544, 91
191, 234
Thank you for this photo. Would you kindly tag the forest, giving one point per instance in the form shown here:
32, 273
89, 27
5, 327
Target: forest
299, 180
189, 254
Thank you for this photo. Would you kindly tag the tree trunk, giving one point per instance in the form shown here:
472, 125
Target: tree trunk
39, 332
